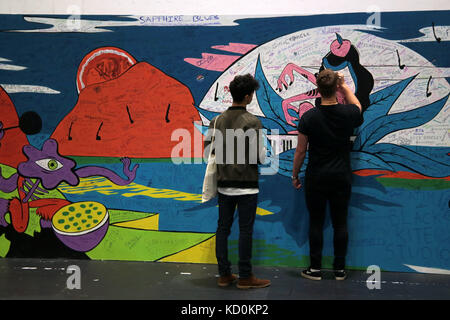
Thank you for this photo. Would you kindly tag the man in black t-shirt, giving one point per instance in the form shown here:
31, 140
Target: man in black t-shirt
327, 129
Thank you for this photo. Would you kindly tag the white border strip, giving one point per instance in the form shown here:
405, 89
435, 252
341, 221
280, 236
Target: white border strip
202, 7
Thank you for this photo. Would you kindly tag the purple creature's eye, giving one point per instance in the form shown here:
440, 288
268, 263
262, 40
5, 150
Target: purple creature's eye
49, 164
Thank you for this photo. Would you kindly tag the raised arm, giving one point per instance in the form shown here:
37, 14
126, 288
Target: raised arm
347, 92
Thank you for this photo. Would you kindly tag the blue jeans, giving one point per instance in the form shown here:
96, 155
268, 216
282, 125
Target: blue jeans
246, 205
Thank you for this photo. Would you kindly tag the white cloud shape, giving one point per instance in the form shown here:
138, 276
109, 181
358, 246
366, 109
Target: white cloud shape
17, 88
76, 23
441, 32
8, 66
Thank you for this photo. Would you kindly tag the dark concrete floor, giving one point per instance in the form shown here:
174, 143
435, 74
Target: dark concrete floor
110, 280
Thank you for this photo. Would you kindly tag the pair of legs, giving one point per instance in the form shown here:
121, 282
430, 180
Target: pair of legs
246, 205
334, 190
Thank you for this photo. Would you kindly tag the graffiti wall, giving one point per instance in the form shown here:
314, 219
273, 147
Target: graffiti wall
102, 120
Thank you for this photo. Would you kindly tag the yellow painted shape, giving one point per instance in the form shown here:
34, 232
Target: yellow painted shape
164, 194
263, 212
204, 252
79, 217
149, 223
104, 186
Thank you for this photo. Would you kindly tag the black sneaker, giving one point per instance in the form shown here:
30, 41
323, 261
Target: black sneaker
340, 274
312, 275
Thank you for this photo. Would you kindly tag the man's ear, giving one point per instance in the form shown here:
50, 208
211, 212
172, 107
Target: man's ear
250, 96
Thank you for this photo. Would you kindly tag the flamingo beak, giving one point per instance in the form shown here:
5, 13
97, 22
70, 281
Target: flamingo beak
339, 38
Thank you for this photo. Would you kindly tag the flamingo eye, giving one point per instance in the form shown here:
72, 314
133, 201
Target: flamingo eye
49, 164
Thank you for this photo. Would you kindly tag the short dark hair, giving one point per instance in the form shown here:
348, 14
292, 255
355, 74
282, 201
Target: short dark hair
327, 83
243, 85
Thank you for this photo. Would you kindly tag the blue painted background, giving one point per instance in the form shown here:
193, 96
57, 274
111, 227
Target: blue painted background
388, 226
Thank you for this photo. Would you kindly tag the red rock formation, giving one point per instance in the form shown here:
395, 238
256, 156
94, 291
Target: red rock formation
14, 139
133, 115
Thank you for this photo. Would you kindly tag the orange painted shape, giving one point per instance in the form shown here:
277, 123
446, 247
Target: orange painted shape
133, 115
14, 139
103, 64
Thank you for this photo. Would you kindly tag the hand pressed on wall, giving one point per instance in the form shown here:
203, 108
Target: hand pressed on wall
296, 183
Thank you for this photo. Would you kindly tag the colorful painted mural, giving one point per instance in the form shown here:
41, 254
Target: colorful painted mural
91, 167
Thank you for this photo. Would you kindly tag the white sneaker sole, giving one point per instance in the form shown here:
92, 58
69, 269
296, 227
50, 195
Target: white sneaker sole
310, 277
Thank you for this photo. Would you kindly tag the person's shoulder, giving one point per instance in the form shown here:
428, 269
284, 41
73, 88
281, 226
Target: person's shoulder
310, 113
212, 122
349, 107
252, 119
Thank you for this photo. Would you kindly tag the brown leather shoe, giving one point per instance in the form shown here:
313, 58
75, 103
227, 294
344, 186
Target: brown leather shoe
252, 282
225, 281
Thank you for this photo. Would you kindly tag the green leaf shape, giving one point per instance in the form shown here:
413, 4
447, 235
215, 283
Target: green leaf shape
117, 216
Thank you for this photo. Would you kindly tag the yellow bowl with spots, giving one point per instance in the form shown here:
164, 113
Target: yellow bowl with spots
81, 225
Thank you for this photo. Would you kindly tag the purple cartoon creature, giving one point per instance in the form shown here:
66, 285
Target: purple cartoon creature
49, 169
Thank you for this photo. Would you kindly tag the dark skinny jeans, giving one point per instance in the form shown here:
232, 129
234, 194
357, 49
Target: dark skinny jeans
334, 190
246, 205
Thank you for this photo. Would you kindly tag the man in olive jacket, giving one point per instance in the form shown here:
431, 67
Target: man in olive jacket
238, 146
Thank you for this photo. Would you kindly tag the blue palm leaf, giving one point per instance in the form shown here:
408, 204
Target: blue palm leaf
364, 160
286, 160
382, 126
208, 114
271, 124
203, 129
440, 154
382, 100
404, 159
270, 158
359, 161
269, 102
267, 123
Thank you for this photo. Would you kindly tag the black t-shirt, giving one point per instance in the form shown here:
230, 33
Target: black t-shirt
329, 129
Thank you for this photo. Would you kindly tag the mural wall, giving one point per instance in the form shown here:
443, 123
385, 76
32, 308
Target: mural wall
93, 165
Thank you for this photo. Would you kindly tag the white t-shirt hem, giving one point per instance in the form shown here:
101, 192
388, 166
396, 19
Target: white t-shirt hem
237, 191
